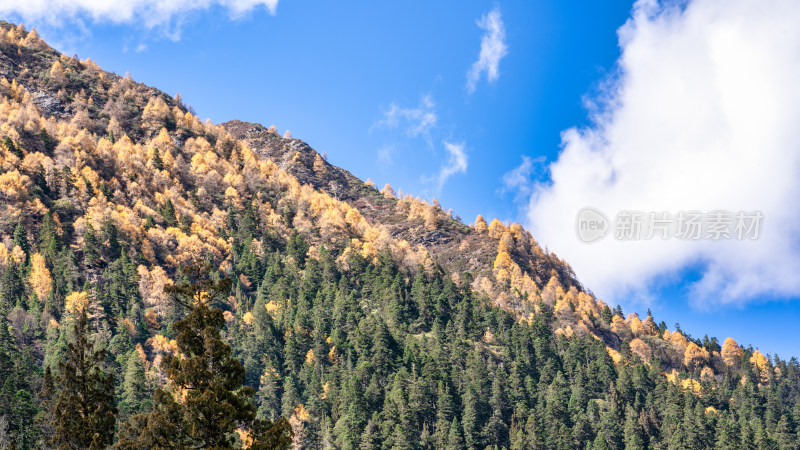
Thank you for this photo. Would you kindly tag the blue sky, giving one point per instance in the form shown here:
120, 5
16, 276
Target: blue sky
383, 89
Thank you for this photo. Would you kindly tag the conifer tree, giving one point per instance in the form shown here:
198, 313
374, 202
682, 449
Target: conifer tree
11, 287
23, 414
10, 146
46, 402
157, 162
783, 436
267, 395
20, 238
496, 429
632, 430
454, 438
49, 244
91, 247
83, 413
444, 412
204, 402
135, 390
370, 437
168, 214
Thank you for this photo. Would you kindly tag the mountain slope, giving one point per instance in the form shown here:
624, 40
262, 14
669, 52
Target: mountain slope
368, 320
445, 237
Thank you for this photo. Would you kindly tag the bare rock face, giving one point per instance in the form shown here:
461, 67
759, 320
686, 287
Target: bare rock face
48, 104
435, 237
298, 158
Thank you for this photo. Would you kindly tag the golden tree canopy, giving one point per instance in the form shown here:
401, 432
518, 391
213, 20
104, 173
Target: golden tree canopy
694, 354
641, 349
480, 224
40, 278
76, 303
731, 352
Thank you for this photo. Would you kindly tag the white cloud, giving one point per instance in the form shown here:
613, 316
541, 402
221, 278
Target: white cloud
702, 115
456, 162
493, 49
150, 13
385, 156
519, 180
421, 121
414, 121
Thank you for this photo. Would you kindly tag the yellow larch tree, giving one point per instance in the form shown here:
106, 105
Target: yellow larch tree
676, 339
310, 358
333, 355
502, 264
248, 318
641, 349
761, 364
732, 354
81, 120
151, 288
707, 374
387, 191
480, 224
506, 243
496, 229
18, 254
14, 186
155, 112
563, 309
57, 73
40, 278
76, 303
650, 327
115, 128
619, 326
636, 324
319, 165
694, 354
5, 255
32, 40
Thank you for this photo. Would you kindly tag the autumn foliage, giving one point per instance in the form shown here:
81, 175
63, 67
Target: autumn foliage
367, 318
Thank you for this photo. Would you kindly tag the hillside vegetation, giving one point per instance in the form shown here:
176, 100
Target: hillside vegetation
365, 318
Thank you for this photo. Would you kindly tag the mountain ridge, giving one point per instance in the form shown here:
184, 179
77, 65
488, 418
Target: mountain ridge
448, 232
110, 187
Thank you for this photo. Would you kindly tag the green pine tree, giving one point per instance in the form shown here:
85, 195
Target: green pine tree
206, 401
20, 237
135, 388
371, 437
455, 441
632, 430
157, 162
11, 147
168, 214
83, 414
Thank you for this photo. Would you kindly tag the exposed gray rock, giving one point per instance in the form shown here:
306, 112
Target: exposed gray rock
48, 104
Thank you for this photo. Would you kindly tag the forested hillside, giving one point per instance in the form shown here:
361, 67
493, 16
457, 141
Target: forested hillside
153, 265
